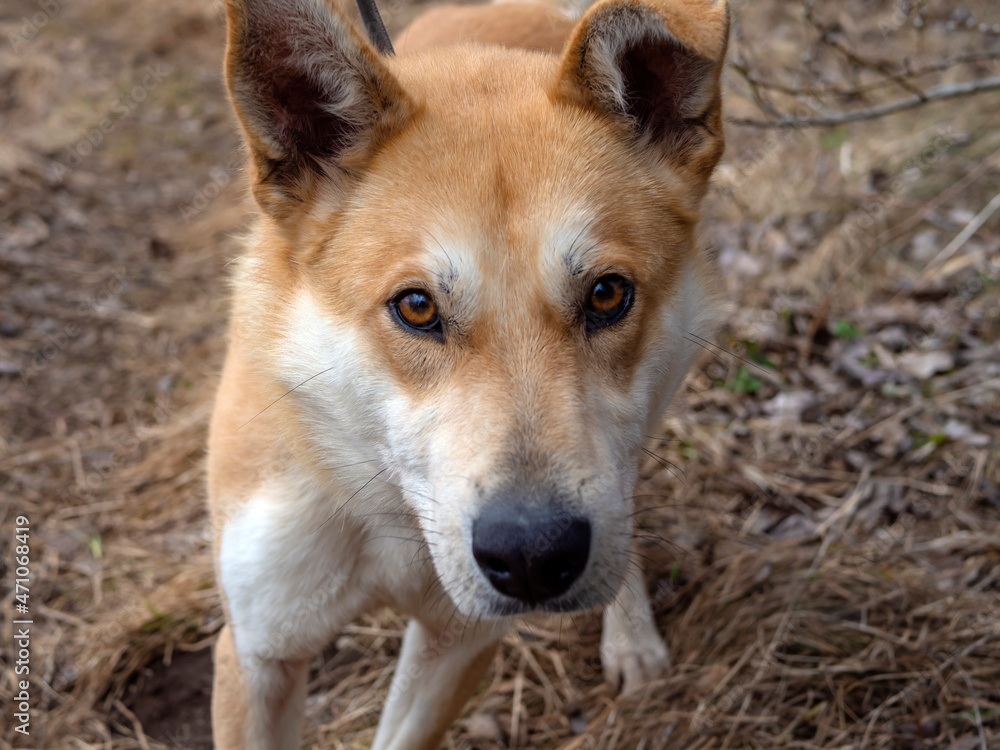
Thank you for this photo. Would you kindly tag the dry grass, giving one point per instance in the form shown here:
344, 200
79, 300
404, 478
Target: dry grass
821, 520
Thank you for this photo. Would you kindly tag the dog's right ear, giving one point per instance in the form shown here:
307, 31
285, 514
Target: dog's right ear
313, 98
654, 67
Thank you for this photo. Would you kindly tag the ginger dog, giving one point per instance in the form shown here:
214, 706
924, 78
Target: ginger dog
472, 289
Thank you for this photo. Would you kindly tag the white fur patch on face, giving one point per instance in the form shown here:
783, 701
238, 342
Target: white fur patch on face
692, 314
567, 249
328, 369
454, 266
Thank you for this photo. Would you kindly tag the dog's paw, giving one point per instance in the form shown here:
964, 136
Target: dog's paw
632, 652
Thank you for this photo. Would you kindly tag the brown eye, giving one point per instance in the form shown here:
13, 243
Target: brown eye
608, 301
416, 310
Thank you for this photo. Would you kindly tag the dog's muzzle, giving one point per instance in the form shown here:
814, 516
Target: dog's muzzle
530, 553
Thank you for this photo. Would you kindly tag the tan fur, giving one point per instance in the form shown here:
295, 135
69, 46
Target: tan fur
504, 178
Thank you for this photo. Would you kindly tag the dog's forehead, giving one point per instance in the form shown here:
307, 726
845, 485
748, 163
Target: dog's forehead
488, 132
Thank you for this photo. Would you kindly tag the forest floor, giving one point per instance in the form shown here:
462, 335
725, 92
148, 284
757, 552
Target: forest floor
822, 536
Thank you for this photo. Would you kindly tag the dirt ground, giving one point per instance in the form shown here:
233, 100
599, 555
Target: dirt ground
820, 514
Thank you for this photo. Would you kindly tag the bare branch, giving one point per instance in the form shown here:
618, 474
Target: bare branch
937, 66
828, 119
759, 99
879, 67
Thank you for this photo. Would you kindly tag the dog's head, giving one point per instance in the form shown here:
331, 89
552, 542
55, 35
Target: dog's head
483, 262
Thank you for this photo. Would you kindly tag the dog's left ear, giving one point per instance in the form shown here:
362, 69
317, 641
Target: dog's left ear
654, 66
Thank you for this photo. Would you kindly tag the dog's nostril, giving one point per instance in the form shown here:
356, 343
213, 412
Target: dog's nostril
496, 566
531, 554
557, 571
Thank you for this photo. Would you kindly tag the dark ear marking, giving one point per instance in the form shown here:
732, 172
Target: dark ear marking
664, 93
312, 96
654, 66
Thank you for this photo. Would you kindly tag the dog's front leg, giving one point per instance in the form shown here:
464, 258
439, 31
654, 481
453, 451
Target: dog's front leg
438, 669
256, 704
632, 651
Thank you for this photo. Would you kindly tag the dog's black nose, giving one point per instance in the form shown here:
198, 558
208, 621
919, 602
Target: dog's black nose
530, 554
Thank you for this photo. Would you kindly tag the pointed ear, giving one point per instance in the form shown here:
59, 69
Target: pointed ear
654, 66
312, 96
